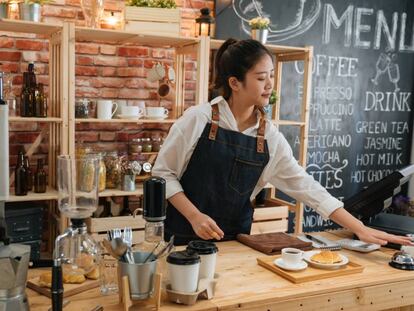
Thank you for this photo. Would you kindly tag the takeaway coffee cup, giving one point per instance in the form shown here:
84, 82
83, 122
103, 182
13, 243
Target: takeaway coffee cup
106, 109
183, 269
156, 112
208, 255
292, 256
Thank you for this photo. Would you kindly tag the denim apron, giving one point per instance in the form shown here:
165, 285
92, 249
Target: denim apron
219, 180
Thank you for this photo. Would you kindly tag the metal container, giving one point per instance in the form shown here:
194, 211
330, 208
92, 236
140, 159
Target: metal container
140, 275
260, 35
30, 12
4, 10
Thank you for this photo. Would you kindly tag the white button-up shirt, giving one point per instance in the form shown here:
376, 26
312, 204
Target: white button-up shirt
282, 170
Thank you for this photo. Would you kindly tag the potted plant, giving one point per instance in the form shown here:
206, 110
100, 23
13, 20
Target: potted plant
4, 9
158, 17
30, 10
260, 28
269, 107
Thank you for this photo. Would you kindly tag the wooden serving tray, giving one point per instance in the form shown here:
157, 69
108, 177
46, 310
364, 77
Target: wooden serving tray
68, 289
310, 273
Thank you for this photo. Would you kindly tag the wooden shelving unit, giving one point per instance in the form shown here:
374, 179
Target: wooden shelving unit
31, 120
284, 54
137, 121
50, 194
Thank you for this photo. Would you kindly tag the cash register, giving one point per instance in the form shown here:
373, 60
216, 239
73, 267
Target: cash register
370, 205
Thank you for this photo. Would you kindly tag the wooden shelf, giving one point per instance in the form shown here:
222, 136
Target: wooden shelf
150, 153
50, 194
275, 49
13, 25
106, 223
119, 193
138, 121
124, 37
33, 119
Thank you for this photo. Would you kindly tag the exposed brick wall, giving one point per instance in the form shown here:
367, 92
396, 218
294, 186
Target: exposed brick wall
102, 71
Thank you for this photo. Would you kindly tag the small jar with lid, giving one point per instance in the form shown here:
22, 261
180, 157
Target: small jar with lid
102, 173
113, 170
135, 146
146, 145
156, 144
82, 109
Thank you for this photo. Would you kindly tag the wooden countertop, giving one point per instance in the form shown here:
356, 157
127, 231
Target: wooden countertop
244, 285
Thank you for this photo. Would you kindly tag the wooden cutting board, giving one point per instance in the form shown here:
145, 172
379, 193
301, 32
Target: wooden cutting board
310, 273
68, 289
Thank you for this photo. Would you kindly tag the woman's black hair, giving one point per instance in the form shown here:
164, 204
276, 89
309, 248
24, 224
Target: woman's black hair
234, 59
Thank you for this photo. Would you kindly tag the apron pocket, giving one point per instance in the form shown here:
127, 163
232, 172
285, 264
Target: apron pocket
245, 175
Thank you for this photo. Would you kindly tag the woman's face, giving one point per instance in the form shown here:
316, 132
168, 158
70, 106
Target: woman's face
258, 83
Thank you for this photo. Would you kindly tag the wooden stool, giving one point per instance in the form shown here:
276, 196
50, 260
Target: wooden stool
125, 294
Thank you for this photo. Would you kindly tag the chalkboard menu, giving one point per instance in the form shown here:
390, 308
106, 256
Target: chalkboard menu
361, 105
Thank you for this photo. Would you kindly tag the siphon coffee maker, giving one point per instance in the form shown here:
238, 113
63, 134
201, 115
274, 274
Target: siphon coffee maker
75, 250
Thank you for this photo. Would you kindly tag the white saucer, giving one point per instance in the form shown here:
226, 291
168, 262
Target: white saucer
127, 116
156, 118
281, 264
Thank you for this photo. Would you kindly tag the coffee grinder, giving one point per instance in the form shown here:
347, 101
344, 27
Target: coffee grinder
75, 251
14, 258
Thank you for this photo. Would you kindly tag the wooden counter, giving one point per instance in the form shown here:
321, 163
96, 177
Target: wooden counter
244, 285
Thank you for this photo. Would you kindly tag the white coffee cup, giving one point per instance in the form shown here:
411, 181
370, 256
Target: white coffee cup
156, 73
208, 255
292, 256
183, 270
156, 112
106, 109
131, 111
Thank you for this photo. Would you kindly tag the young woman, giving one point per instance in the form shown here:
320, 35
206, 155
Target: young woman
219, 155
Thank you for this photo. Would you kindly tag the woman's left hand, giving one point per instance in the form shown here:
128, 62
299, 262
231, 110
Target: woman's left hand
370, 235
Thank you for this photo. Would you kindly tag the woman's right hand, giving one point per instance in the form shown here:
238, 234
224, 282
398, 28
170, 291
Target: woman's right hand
205, 227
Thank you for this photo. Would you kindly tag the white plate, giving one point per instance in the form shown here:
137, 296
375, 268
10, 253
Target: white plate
127, 116
156, 118
307, 256
281, 264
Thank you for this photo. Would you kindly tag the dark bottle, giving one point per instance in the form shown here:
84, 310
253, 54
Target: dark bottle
40, 101
20, 181
26, 97
125, 208
106, 210
2, 102
40, 178
29, 174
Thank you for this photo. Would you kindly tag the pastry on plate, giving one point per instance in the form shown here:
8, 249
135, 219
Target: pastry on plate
326, 257
93, 275
45, 279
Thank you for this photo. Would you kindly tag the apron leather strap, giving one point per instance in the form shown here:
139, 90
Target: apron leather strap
214, 122
261, 132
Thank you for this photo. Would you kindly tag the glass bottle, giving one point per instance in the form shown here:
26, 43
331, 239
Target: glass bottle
113, 170
102, 173
26, 97
125, 207
40, 178
106, 209
29, 174
20, 187
40, 101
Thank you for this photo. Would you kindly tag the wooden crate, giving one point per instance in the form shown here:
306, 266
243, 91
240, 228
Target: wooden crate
272, 217
153, 21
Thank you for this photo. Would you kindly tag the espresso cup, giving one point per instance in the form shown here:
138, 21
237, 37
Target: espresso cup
156, 73
292, 256
106, 109
156, 112
131, 111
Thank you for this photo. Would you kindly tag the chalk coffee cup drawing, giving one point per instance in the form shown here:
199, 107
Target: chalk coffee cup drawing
156, 112
131, 111
292, 256
106, 109
208, 255
183, 270
156, 73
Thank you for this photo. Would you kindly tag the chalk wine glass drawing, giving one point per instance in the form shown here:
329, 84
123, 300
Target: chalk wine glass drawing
387, 64
293, 17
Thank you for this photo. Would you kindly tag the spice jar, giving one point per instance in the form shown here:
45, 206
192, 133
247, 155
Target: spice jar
146, 145
113, 170
156, 144
102, 173
135, 146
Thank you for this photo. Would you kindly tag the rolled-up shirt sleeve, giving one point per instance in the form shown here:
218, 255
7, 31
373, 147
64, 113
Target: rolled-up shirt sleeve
291, 178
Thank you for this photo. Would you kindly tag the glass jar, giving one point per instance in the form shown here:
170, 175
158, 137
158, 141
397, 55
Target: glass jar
146, 145
82, 109
135, 146
113, 170
102, 173
156, 144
